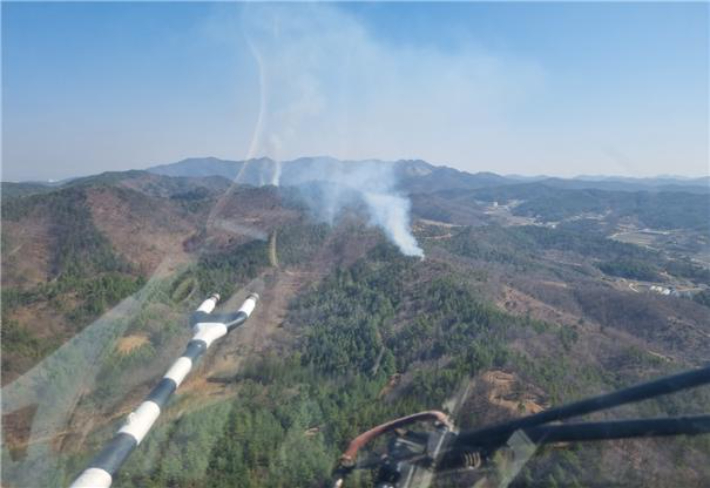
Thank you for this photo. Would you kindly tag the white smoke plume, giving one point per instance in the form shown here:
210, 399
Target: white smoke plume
391, 213
328, 85
293, 50
330, 186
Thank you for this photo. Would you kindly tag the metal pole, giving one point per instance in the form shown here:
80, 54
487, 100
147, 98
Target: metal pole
496, 435
207, 328
619, 429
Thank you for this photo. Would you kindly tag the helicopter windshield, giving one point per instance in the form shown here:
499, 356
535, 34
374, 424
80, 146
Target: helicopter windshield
238, 235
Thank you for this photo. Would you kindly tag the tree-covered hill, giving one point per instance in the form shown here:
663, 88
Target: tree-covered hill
498, 320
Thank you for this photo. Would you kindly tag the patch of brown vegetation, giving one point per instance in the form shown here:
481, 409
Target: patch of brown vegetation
505, 391
127, 344
16, 428
45, 322
520, 303
44, 319
27, 253
391, 385
260, 208
496, 396
143, 230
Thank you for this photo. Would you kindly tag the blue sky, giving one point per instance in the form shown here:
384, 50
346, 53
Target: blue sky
528, 88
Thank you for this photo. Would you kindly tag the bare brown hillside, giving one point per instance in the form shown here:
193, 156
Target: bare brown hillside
145, 230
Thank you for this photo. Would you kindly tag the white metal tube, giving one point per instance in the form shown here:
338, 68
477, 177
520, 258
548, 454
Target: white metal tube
249, 304
139, 422
93, 478
209, 304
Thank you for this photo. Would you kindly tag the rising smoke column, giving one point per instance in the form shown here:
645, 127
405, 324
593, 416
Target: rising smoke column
391, 214
329, 84
330, 186
293, 51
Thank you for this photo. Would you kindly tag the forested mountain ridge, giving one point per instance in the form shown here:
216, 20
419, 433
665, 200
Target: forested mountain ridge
418, 175
72, 253
518, 308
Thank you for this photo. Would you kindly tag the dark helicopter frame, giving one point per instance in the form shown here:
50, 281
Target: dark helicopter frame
443, 449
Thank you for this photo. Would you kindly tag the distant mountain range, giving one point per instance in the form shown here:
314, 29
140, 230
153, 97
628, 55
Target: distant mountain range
416, 175
412, 176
